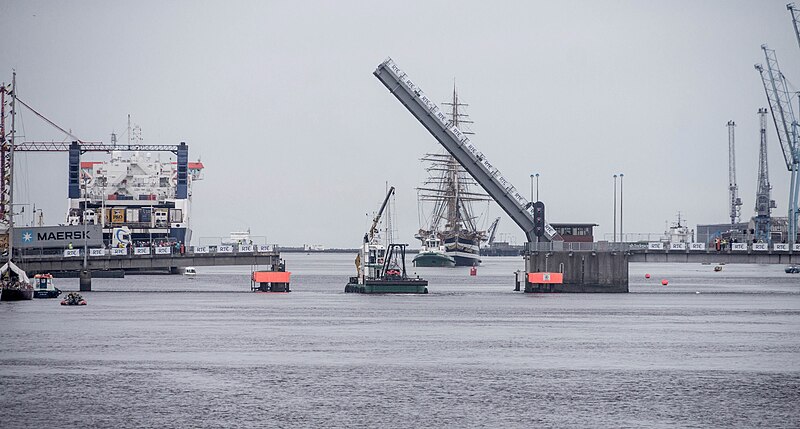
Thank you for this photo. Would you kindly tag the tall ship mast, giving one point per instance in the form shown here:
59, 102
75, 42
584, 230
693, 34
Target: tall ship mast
449, 232
14, 282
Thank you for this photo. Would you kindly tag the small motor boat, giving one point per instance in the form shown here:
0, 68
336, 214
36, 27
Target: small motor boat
73, 298
792, 269
189, 272
718, 268
43, 287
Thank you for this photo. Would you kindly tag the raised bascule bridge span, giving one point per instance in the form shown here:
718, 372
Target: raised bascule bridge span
599, 267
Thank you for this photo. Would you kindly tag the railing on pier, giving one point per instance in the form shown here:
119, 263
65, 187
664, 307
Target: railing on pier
148, 251
661, 247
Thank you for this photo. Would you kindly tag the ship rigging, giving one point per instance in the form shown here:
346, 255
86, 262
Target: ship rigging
450, 192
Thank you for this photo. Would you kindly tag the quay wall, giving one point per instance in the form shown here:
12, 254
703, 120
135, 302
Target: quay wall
584, 272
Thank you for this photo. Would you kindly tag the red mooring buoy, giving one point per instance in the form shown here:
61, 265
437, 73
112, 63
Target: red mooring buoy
473, 271
664, 282
647, 276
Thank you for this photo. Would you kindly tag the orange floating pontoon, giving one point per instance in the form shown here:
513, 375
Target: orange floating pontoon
270, 281
271, 276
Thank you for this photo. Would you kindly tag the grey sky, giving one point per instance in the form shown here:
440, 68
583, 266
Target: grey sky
298, 137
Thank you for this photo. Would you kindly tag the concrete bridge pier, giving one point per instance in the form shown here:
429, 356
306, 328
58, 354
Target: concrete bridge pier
594, 271
85, 280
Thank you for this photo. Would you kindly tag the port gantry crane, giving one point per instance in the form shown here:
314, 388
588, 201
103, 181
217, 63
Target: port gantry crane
528, 215
78, 147
492, 231
733, 188
764, 202
780, 104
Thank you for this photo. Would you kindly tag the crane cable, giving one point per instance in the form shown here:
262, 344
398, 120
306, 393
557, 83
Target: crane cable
49, 121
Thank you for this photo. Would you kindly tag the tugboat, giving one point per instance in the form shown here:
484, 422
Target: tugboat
381, 270
73, 298
43, 287
433, 254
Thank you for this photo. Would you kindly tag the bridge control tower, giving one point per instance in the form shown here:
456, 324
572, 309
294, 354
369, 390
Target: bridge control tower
587, 271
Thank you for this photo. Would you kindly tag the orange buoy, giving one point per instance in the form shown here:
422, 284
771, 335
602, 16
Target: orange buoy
647, 276
664, 282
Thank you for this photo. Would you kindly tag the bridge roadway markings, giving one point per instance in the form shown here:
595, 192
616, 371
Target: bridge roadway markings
46, 263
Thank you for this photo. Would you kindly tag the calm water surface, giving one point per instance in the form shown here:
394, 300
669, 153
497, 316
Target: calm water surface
708, 350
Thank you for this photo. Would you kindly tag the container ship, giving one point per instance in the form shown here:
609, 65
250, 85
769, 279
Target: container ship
136, 197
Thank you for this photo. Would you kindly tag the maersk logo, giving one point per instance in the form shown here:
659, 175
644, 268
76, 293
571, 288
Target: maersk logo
62, 235
57, 236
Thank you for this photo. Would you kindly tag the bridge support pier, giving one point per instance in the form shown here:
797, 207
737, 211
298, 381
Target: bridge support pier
584, 272
85, 280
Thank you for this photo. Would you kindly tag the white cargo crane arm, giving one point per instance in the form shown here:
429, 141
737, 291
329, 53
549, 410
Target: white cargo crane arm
733, 188
463, 150
377, 218
493, 231
795, 17
780, 104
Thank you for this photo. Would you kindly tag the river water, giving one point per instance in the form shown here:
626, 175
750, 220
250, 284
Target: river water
711, 349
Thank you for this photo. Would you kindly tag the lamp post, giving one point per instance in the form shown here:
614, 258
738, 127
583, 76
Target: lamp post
83, 217
85, 277
537, 186
614, 240
621, 236
37, 221
532, 200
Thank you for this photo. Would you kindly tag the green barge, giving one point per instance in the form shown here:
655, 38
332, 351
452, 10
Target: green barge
384, 272
380, 269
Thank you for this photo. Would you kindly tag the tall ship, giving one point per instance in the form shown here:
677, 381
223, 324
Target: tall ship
449, 233
135, 196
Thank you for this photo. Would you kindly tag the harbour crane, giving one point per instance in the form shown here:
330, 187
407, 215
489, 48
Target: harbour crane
374, 228
733, 188
492, 231
764, 202
795, 17
77, 147
783, 117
